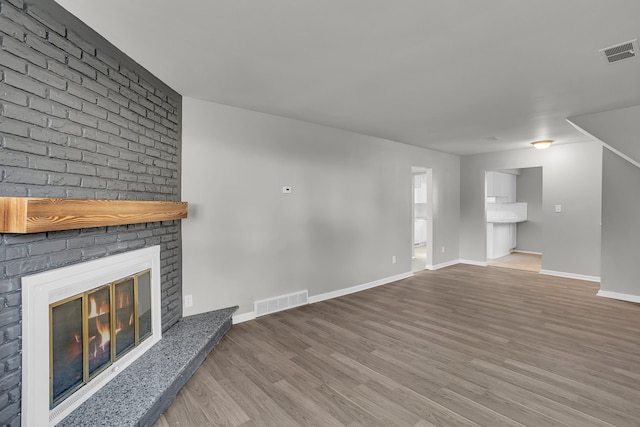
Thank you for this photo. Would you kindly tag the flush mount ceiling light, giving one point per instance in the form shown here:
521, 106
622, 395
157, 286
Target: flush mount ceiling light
542, 144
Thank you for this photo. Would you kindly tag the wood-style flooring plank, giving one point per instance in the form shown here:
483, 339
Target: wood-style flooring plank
460, 346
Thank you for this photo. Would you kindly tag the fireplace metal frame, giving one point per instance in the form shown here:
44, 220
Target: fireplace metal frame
39, 291
85, 298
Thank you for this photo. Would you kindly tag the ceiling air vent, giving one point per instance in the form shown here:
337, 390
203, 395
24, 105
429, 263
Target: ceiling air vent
621, 52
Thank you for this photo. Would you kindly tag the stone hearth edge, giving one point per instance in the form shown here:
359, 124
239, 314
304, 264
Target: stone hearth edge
142, 391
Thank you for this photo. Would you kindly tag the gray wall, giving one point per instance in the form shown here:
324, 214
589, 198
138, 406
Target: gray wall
349, 213
572, 178
78, 119
529, 190
620, 226
620, 202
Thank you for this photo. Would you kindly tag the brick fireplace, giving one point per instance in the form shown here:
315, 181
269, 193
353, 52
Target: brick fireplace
79, 120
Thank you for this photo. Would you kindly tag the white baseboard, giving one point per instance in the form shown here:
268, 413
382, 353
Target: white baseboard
443, 264
570, 275
619, 296
527, 252
244, 317
472, 262
346, 291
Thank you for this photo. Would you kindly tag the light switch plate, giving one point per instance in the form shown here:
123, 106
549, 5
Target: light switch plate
558, 208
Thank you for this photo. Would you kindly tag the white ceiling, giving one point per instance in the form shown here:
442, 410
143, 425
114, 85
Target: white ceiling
448, 75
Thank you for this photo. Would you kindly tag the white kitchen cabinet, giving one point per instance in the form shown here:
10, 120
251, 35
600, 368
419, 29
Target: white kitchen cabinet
420, 232
502, 186
501, 239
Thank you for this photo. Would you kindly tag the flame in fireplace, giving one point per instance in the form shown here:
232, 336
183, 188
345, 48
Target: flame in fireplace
122, 299
120, 325
96, 310
124, 308
104, 331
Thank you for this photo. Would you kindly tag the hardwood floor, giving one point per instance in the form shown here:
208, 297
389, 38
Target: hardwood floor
518, 261
461, 346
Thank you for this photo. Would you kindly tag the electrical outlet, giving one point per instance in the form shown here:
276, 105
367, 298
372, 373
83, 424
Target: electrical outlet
443, 249
393, 259
287, 190
188, 301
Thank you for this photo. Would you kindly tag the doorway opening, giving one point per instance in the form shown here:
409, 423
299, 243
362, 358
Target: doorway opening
513, 212
421, 219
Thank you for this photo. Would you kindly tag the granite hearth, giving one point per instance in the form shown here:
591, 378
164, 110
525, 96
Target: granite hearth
142, 391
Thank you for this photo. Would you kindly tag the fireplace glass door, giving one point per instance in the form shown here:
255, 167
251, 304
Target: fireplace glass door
125, 337
91, 330
99, 330
66, 358
144, 305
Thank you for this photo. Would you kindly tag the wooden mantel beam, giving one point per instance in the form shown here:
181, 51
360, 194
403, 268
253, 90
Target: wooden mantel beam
37, 215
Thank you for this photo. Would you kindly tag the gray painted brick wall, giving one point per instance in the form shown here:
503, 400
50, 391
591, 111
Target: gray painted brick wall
78, 119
